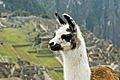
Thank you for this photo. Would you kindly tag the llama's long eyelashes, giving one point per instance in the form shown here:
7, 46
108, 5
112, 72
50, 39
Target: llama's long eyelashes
67, 37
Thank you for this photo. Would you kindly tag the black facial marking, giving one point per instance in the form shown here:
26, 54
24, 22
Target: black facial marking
54, 34
72, 28
73, 43
56, 47
68, 29
67, 37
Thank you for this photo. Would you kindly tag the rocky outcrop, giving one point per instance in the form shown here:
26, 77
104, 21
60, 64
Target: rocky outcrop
100, 51
26, 71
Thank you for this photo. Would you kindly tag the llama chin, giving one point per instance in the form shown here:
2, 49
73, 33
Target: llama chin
70, 42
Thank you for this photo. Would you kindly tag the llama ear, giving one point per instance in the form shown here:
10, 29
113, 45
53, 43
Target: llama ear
71, 22
59, 19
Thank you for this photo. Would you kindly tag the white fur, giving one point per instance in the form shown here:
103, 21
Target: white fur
76, 65
57, 38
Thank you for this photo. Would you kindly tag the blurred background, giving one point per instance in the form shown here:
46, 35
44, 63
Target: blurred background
27, 25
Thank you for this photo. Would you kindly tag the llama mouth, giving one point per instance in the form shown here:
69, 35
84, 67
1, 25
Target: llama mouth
56, 47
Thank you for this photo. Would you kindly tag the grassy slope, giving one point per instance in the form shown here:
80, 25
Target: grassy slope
16, 36
10, 79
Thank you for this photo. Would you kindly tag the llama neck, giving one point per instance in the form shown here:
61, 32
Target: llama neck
76, 65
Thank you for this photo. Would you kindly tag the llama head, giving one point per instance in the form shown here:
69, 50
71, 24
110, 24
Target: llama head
66, 37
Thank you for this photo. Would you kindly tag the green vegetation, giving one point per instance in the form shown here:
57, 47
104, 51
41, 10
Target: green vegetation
10, 79
56, 75
12, 36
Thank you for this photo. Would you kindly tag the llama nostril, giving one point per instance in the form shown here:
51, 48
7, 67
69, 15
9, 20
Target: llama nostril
51, 44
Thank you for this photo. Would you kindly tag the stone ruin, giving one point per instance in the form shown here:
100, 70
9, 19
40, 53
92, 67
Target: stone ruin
101, 51
25, 71
6, 66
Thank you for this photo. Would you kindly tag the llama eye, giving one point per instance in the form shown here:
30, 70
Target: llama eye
67, 37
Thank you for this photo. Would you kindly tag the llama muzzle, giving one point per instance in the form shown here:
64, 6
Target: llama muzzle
55, 47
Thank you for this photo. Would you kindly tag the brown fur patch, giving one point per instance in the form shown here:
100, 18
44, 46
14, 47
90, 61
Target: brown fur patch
75, 42
102, 72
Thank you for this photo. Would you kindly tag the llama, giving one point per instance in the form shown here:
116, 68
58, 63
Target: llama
68, 40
